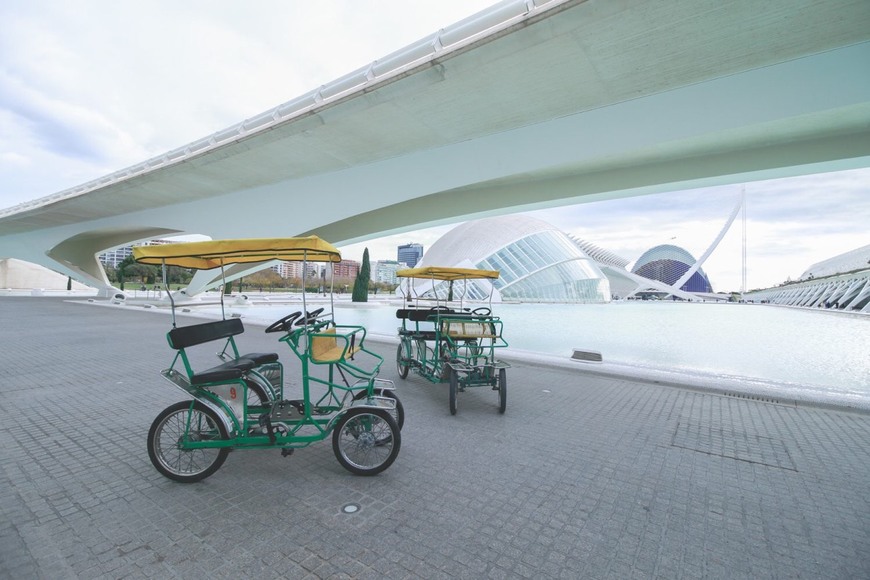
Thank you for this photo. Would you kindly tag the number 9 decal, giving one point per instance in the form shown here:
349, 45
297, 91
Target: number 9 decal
232, 392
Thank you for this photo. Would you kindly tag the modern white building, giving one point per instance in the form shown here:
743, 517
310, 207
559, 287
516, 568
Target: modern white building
537, 262
668, 263
112, 258
841, 283
21, 275
385, 271
852, 261
288, 269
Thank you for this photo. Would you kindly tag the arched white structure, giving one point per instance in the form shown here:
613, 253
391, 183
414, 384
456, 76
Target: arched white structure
696, 265
841, 282
529, 104
537, 262
849, 292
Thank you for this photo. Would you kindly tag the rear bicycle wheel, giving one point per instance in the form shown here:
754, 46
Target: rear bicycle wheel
502, 390
398, 413
366, 441
167, 432
454, 391
257, 395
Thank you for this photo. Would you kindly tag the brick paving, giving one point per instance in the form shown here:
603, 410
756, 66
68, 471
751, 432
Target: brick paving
585, 476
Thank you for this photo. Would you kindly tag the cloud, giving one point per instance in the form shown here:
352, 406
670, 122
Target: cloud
53, 125
12, 158
110, 84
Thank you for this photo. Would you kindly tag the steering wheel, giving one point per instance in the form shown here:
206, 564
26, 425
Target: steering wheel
309, 317
482, 311
439, 307
285, 323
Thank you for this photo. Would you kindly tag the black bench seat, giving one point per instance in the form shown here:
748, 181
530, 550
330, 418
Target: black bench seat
418, 315
229, 371
195, 334
261, 358
418, 334
422, 314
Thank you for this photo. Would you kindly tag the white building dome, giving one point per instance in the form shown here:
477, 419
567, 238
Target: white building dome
537, 262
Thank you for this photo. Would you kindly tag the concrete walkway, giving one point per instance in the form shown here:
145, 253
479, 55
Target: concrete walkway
584, 476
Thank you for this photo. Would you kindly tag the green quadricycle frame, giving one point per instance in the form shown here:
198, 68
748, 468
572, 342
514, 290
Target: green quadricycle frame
241, 404
446, 342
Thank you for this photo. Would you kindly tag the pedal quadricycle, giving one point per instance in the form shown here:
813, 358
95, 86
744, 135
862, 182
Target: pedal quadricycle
241, 404
444, 341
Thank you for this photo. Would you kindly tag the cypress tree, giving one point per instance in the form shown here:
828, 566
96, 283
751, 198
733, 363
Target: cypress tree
361, 284
122, 270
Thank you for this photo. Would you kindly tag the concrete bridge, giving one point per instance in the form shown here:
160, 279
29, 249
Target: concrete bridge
529, 104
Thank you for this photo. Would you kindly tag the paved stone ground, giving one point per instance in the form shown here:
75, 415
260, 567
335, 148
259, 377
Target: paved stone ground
583, 477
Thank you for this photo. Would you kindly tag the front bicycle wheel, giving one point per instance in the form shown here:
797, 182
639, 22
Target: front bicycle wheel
403, 353
197, 423
366, 441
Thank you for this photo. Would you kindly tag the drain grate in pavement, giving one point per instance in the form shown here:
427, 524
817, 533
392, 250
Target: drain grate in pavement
733, 445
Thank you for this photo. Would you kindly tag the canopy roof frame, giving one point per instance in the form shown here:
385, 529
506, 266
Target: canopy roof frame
218, 253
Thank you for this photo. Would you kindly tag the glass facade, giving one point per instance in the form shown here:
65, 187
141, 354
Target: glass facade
546, 267
536, 262
667, 264
409, 254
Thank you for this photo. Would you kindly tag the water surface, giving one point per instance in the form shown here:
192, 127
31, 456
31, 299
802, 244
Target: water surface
788, 350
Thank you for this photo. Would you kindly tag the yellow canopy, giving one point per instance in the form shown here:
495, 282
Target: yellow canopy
213, 254
444, 273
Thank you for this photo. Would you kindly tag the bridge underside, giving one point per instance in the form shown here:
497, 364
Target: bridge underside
574, 101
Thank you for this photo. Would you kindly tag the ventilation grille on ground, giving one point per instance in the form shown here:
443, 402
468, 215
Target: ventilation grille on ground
586, 356
753, 398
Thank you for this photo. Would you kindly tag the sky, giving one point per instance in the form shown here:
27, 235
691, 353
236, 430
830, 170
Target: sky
93, 86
